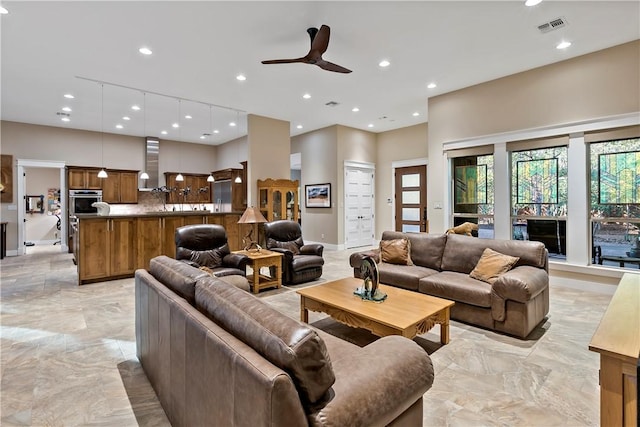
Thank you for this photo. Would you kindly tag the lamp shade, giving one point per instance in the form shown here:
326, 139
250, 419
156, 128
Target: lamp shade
252, 216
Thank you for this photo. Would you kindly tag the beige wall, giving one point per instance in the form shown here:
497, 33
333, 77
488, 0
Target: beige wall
596, 85
319, 152
269, 146
230, 154
393, 146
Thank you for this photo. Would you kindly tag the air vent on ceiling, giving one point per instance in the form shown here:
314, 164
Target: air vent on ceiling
554, 24
331, 104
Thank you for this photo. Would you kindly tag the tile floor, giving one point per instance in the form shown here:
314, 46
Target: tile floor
68, 354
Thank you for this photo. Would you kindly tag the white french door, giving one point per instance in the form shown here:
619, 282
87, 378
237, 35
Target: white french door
359, 206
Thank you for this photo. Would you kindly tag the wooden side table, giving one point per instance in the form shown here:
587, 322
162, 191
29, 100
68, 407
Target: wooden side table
258, 260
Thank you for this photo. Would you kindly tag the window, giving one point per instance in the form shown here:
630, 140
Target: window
473, 192
615, 202
539, 197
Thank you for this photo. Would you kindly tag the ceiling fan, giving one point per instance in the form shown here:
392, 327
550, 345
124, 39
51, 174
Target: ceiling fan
319, 44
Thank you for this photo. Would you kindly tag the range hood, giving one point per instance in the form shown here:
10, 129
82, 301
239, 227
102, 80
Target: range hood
151, 154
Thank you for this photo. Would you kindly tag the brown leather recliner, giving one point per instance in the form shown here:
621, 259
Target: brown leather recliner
205, 245
301, 263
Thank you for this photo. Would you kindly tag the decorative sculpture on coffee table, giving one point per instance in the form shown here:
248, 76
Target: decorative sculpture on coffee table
369, 291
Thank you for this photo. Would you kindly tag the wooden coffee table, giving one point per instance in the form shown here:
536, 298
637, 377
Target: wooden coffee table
403, 313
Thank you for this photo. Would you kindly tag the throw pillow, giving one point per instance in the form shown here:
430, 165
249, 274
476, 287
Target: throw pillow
396, 251
491, 265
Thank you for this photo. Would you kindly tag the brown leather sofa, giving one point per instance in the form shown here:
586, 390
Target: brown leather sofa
516, 302
301, 263
217, 355
206, 245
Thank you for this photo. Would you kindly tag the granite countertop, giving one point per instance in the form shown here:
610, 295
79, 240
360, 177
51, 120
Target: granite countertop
157, 213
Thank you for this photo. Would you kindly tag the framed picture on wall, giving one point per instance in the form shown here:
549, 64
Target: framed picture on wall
317, 196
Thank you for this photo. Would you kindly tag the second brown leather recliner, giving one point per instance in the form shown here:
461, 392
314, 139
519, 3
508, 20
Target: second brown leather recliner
300, 263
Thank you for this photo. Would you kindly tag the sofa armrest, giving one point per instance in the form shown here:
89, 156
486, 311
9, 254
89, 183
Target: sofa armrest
238, 261
356, 258
376, 384
521, 284
312, 249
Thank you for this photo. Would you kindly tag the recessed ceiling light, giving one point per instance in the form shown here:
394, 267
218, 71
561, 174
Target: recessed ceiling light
306, 96
355, 109
416, 114
232, 124
3, 11
65, 119
188, 117
241, 77
299, 126
175, 125
145, 51
532, 2
384, 63
370, 125
164, 132
202, 137
67, 109
119, 126
68, 96
135, 107
216, 131
126, 118
563, 45
431, 85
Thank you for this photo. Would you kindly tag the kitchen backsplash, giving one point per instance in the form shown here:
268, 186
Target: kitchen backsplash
149, 202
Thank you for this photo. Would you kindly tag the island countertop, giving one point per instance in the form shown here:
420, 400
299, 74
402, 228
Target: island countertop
109, 247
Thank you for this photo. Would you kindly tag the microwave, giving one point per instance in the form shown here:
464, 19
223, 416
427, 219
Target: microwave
80, 202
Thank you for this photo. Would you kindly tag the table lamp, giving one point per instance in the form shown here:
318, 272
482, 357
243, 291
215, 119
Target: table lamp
251, 216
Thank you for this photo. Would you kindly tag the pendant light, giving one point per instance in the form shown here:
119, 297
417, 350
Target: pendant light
102, 173
238, 179
144, 175
210, 178
179, 177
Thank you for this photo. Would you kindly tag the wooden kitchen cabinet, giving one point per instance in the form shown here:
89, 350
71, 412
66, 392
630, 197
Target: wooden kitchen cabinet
83, 178
120, 187
106, 248
194, 182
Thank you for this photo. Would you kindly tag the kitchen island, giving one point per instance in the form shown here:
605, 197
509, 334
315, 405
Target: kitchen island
114, 246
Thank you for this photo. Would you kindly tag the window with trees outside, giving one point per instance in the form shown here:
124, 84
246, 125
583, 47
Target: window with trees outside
473, 192
615, 202
539, 197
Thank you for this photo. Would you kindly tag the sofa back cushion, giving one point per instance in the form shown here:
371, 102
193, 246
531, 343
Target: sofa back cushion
176, 275
462, 253
289, 344
426, 249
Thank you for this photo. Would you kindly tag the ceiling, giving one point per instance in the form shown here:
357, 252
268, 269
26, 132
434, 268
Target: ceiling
200, 47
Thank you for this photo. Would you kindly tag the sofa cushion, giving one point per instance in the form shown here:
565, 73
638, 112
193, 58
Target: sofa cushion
289, 344
396, 251
491, 265
457, 287
176, 275
293, 246
403, 276
426, 249
461, 253
302, 262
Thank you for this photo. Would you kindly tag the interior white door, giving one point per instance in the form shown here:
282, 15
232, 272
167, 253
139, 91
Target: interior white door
359, 207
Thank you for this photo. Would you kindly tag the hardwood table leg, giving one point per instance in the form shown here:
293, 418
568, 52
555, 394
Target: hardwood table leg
304, 313
444, 329
256, 278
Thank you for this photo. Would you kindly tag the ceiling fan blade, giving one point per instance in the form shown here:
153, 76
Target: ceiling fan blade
330, 66
320, 41
283, 61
